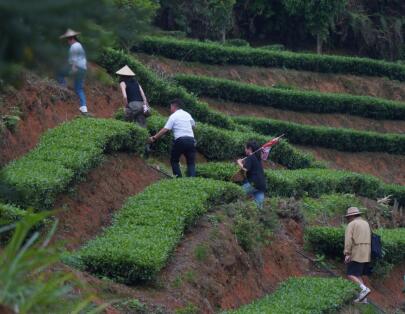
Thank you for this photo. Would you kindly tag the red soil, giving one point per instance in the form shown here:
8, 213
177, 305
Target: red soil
323, 82
389, 168
89, 208
315, 119
44, 105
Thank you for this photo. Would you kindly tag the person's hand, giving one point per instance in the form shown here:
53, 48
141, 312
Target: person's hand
74, 69
152, 139
348, 259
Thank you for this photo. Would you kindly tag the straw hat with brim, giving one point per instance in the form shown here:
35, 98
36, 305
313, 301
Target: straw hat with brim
353, 211
69, 33
125, 71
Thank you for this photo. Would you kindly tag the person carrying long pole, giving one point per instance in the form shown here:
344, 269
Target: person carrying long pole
254, 183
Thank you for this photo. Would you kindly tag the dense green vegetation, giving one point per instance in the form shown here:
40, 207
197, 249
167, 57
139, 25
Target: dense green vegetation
305, 295
306, 101
328, 206
161, 92
150, 225
311, 182
227, 144
335, 138
219, 144
370, 28
330, 241
64, 154
189, 50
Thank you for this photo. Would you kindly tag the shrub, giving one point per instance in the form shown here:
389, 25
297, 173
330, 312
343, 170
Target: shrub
335, 138
310, 182
274, 47
149, 226
328, 205
303, 295
330, 241
219, 144
64, 154
307, 101
161, 92
190, 50
237, 42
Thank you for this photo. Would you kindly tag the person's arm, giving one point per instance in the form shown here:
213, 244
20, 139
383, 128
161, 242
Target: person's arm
158, 135
124, 93
168, 126
240, 164
145, 101
348, 243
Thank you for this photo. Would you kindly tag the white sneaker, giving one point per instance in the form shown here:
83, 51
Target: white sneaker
83, 109
365, 301
363, 294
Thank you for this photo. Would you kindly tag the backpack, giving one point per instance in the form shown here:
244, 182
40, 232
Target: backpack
376, 246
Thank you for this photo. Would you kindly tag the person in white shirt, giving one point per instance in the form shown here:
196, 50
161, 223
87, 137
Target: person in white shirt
77, 67
181, 124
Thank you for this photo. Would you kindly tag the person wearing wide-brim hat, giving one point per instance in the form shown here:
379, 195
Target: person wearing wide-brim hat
77, 67
135, 103
357, 250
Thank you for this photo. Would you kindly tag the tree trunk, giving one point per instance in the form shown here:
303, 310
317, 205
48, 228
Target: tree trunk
223, 35
318, 44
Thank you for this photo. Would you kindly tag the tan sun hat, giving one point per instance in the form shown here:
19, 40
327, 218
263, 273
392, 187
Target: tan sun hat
126, 71
69, 33
353, 211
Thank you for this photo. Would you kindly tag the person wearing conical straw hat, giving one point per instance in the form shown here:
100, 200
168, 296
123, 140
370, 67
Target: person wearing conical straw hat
77, 67
135, 103
357, 250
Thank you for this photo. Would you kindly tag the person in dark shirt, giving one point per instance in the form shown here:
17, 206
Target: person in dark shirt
134, 98
255, 182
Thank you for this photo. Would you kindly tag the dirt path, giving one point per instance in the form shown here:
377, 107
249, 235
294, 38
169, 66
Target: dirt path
333, 83
44, 105
89, 208
316, 119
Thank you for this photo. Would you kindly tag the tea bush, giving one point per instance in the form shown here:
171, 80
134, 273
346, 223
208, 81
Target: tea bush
311, 182
306, 101
330, 241
64, 154
150, 225
211, 53
306, 295
161, 92
220, 144
335, 138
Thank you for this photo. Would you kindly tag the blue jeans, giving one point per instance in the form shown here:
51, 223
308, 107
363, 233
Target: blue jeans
258, 195
78, 78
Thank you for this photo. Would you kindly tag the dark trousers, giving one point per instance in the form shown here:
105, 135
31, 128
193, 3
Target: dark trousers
183, 146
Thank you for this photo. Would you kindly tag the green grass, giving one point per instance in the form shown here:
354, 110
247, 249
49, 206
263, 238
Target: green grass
311, 182
212, 53
306, 101
149, 226
64, 154
305, 295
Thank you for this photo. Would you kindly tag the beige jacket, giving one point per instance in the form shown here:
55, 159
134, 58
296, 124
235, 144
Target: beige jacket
358, 240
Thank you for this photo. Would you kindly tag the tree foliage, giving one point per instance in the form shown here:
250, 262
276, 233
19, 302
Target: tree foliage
319, 15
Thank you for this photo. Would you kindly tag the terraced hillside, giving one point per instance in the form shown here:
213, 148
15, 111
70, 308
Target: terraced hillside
341, 128
145, 243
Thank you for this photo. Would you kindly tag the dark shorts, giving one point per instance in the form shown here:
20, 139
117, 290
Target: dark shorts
358, 269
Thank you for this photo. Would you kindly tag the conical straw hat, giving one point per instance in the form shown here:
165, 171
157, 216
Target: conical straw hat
69, 33
125, 71
353, 211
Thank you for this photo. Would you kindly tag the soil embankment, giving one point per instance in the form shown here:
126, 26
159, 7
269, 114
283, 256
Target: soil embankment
323, 82
43, 105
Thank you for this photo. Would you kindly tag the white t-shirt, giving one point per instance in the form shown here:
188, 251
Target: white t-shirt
77, 56
181, 123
